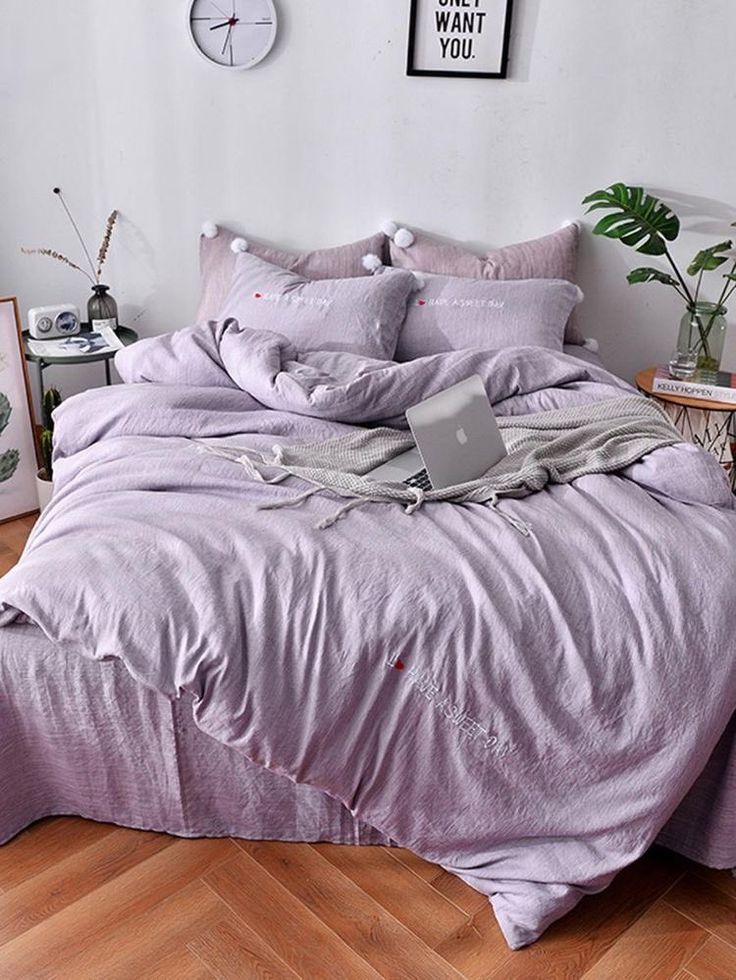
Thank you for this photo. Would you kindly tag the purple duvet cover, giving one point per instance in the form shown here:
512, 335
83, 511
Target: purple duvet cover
525, 711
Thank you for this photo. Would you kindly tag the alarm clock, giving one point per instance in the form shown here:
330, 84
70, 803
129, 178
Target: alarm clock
45, 322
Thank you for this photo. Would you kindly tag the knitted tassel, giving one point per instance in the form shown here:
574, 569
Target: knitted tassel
339, 514
290, 501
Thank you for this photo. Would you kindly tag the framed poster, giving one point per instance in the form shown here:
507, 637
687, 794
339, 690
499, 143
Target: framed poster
459, 38
18, 461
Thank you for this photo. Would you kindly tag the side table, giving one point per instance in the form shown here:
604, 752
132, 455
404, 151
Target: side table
126, 335
704, 423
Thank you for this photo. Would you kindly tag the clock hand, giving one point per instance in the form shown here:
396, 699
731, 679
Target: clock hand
227, 38
216, 27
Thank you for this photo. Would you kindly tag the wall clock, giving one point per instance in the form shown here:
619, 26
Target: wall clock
232, 34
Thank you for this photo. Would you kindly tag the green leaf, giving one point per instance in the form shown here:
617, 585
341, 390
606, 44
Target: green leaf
5, 411
708, 259
638, 219
648, 274
8, 464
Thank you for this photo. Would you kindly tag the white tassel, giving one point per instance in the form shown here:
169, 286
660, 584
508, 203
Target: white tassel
339, 514
238, 245
210, 229
403, 238
591, 344
389, 228
371, 263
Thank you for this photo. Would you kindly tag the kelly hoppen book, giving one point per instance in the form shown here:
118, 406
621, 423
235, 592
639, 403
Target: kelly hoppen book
707, 386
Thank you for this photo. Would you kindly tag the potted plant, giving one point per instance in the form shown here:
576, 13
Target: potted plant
648, 225
102, 310
45, 476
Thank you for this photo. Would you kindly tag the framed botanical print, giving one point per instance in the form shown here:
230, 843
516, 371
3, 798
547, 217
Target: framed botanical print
459, 38
18, 460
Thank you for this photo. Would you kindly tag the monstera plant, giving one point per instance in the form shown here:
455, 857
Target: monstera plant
649, 226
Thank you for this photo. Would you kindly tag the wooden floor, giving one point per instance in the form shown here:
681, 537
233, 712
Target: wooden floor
85, 900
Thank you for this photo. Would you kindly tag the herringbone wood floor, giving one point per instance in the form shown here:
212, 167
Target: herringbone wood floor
85, 900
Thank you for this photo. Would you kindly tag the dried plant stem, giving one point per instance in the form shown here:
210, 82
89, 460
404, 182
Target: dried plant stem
52, 254
58, 193
102, 254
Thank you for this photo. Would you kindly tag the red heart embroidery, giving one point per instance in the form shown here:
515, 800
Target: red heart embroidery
421, 302
399, 665
257, 296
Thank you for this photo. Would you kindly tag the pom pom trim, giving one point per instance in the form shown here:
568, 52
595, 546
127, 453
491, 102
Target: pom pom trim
238, 245
210, 229
591, 344
389, 228
371, 263
403, 238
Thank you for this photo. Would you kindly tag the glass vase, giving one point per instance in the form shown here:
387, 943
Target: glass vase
102, 310
700, 341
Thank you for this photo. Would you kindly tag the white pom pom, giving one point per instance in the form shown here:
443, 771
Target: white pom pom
403, 238
238, 245
210, 229
591, 344
419, 282
570, 224
371, 262
389, 228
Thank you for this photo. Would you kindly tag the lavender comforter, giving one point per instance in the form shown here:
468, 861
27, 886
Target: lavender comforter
525, 711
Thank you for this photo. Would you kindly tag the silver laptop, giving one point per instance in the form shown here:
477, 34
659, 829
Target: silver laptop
457, 440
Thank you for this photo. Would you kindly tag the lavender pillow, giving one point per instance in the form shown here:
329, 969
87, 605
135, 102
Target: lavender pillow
450, 313
217, 262
360, 315
551, 257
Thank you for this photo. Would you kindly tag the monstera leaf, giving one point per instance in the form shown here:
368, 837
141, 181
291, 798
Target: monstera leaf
6, 411
709, 259
8, 464
647, 274
638, 220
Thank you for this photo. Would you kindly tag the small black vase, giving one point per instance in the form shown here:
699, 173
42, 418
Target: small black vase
102, 310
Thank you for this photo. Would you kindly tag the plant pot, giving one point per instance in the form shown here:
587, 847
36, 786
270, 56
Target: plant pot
44, 489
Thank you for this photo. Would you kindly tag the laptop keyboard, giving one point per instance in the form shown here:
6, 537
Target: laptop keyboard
420, 480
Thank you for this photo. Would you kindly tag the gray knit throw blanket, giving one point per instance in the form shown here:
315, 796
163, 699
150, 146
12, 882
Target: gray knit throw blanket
548, 447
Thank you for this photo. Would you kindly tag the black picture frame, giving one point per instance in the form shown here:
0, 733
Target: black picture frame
436, 73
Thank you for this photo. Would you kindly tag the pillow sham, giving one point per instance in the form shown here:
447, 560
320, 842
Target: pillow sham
360, 315
217, 262
550, 257
451, 313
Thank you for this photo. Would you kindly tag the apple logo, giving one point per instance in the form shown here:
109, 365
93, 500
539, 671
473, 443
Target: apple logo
461, 437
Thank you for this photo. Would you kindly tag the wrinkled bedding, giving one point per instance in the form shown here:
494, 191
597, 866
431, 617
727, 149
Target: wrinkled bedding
525, 711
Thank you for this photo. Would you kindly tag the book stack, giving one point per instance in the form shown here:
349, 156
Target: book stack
707, 386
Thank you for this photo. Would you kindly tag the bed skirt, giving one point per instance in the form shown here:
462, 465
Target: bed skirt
82, 737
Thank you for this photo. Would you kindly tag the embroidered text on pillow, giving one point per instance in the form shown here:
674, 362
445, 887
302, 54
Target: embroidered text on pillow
476, 304
294, 299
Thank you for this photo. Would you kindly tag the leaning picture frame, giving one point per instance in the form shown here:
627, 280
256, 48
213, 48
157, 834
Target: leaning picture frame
459, 38
18, 450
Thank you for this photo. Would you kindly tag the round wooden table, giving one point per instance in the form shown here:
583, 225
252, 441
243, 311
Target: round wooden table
704, 423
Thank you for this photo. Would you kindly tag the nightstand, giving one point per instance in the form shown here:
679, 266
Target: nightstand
704, 423
126, 335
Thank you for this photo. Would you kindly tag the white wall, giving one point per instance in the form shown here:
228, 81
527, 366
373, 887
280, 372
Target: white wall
328, 136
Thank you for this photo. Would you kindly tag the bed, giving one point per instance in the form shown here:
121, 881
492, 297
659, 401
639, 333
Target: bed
440, 676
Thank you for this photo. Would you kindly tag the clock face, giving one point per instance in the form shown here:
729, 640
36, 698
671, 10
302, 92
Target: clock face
233, 34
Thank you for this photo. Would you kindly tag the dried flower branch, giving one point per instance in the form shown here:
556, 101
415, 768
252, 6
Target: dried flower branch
57, 191
59, 257
94, 278
102, 254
